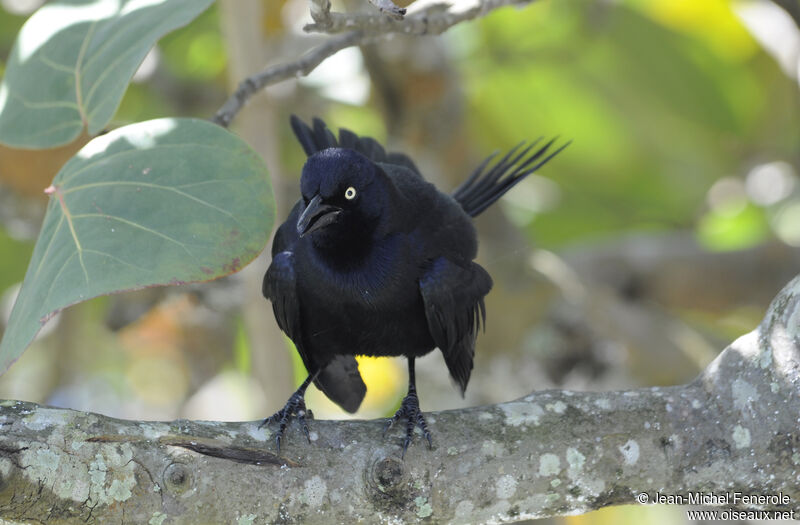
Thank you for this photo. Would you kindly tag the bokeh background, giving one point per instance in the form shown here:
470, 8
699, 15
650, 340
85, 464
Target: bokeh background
659, 236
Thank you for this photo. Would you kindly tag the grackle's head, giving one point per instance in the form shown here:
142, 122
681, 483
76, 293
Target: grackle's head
344, 194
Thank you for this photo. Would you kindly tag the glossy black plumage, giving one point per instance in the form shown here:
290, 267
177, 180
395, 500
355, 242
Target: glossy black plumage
374, 260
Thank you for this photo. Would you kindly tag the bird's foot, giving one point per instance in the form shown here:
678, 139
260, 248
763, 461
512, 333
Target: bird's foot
409, 409
295, 407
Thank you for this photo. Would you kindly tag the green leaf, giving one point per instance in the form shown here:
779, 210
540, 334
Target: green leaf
72, 61
161, 202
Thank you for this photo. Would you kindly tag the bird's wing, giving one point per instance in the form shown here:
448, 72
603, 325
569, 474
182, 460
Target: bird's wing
338, 379
280, 287
453, 298
286, 234
318, 137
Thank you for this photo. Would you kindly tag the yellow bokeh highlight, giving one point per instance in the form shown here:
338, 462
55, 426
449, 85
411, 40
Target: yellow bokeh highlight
712, 21
386, 381
630, 515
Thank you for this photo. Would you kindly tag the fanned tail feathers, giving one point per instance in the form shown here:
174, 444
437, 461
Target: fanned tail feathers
485, 186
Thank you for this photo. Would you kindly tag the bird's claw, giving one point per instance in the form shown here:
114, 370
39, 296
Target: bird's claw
410, 410
295, 406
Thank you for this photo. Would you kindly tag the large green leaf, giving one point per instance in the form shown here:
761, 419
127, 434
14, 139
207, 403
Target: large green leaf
72, 61
161, 202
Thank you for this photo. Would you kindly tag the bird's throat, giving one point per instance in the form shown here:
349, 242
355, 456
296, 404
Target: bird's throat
343, 252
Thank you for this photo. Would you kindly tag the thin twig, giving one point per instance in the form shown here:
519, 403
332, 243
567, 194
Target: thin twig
305, 65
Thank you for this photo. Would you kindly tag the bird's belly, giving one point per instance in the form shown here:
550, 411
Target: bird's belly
361, 327
374, 309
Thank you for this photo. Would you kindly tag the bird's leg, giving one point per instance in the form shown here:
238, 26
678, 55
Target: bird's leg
295, 406
409, 409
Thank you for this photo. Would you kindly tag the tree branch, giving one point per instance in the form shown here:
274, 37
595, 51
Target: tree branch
321, 11
388, 7
305, 65
733, 429
432, 19
361, 29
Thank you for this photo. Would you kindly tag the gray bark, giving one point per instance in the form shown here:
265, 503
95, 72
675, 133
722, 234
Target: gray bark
733, 429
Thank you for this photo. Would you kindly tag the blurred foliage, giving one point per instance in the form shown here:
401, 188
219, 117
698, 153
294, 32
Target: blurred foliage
197, 55
30, 171
16, 254
660, 99
9, 27
733, 226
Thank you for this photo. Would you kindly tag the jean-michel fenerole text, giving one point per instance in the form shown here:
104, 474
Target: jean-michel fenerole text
723, 498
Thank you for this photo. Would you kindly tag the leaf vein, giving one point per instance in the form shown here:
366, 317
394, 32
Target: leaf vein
105, 72
55, 280
84, 46
63, 68
135, 225
121, 261
49, 244
158, 187
43, 105
68, 216
212, 181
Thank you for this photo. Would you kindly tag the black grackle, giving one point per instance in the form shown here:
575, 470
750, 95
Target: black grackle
373, 260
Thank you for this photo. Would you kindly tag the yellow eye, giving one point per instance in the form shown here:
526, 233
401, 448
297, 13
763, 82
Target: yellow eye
350, 193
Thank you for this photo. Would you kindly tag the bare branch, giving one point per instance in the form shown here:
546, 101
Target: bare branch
305, 65
732, 430
361, 29
430, 20
321, 11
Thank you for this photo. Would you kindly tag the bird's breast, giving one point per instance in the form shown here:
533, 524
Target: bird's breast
387, 275
374, 308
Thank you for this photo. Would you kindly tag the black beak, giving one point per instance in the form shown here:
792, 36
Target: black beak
316, 216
